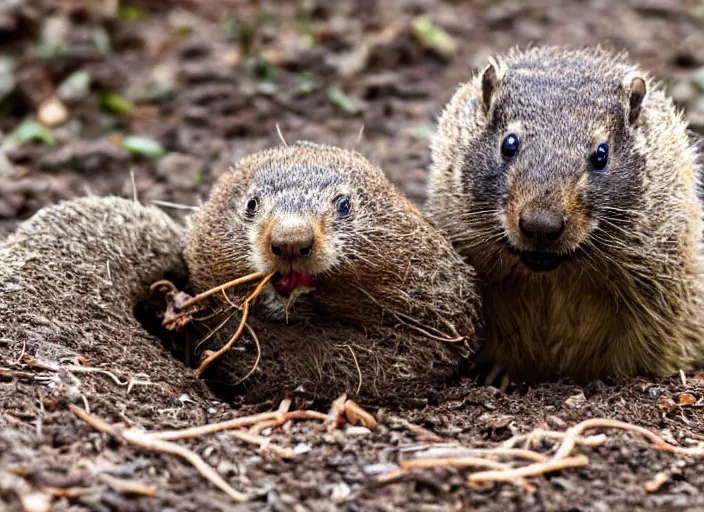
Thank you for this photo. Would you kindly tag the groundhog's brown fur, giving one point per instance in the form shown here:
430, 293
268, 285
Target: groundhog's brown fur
378, 267
626, 296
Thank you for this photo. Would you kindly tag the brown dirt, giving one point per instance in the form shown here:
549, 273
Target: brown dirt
220, 106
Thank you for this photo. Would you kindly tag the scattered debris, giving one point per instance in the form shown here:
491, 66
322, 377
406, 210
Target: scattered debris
34, 131
562, 458
143, 146
343, 101
52, 112
163, 442
434, 38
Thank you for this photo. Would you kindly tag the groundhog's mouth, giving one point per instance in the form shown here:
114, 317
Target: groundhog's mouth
542, 261
287, 283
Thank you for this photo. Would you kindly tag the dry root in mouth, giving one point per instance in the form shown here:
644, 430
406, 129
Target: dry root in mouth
180, 308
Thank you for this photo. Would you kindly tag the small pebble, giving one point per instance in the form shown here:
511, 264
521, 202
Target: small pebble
302, 448
576, 401
357, 431
52, 112
379, 468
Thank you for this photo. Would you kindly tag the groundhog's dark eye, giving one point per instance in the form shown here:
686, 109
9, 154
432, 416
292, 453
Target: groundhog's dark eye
600, 157
252, 206
509, 147
343, 205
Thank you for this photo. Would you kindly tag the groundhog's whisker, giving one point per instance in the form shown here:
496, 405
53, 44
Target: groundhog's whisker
245, 313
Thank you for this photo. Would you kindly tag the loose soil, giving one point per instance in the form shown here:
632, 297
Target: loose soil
209, 81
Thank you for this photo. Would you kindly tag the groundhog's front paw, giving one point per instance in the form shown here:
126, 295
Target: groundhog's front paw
496, 377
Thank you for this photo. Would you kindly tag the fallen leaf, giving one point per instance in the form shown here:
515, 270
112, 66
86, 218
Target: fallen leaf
75, 87
116, 103
667, 404
143, 146
685, 399
433, 37
342, 101
34, 131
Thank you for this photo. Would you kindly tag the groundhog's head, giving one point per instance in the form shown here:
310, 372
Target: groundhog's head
537, 163
326, 221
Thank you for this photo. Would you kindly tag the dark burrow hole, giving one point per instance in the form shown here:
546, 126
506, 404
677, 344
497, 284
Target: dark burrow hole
182, 344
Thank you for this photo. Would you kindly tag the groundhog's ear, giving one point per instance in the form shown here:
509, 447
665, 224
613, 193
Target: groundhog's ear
491, 76
635, 86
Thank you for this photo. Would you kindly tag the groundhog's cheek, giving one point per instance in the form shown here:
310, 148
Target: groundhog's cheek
572, 202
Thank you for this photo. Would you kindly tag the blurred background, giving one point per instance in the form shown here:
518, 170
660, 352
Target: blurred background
178, 90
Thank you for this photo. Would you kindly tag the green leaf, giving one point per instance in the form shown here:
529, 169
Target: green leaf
130, 13
116, 103
422, 131
75, 87
434, 38
34, 131
143, 146
307, 83
343, 102
7, 76
265, 70
101, 38
47, 51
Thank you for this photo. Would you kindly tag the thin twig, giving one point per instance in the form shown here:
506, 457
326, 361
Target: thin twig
98, 424
284, 406
539, 468
359, 370
422, 434
459, 453
128, 486
281, 135
135, 198
90, 369
360, 135
215, 331
202, 430
177, 206
569, 442
264, 444
453, 462
150, 443
540, 434
259, 354
245, 313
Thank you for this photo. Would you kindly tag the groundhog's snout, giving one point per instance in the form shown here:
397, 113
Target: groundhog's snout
541, 228
292, 238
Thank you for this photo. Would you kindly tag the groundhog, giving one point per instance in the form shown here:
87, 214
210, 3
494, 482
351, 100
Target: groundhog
346, 247
567, 179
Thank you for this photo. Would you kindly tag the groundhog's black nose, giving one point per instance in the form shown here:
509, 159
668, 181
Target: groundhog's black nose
292, 239
541, 225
